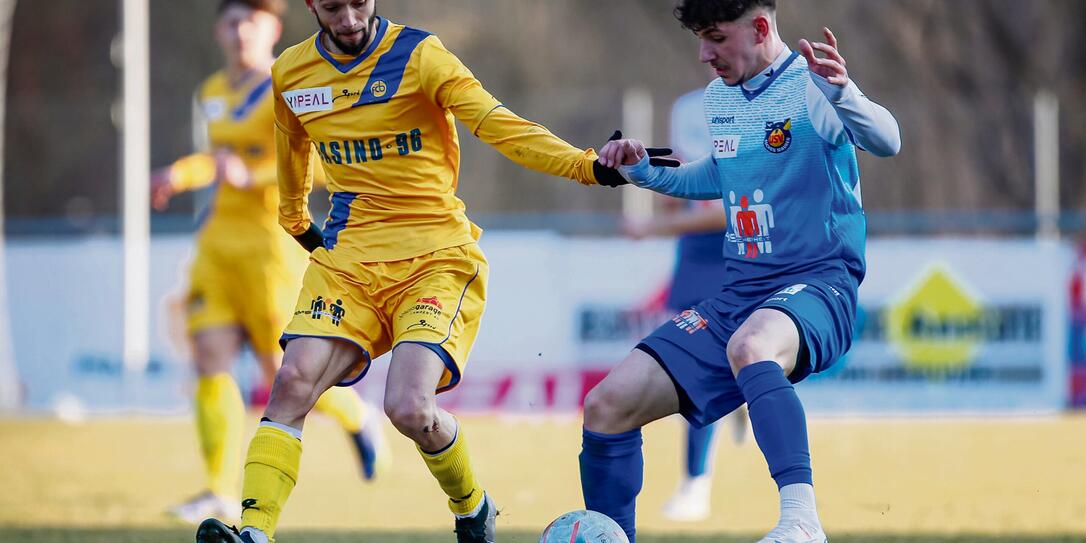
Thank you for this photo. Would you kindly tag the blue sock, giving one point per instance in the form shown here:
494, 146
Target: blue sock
779, 424
612, 470
698, 443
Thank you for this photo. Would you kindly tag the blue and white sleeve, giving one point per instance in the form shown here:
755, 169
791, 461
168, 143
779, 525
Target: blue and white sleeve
839, 113
697, 180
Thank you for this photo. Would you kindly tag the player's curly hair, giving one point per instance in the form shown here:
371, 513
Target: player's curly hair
275, 7
697, 15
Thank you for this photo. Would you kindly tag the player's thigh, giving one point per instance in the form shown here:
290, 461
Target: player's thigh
312, 365
823, 317
441, 306
413, 377
767, 334
208, 301
636, 392
216, 348
691, 350
330, 305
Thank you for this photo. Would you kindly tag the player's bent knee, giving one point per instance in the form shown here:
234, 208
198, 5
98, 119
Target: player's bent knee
745, 350
607, 410
410, 415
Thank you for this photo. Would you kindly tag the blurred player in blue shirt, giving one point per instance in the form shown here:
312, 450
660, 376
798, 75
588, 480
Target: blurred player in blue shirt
785, 127
699, 268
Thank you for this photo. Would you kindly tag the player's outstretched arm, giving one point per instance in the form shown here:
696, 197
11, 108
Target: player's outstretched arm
870, 125
192, 172
693, 181
451, 86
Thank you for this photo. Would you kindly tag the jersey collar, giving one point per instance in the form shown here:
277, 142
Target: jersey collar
382, 26
758, 84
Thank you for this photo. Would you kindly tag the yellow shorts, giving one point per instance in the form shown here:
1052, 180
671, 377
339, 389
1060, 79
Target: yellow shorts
254, 292
435, 300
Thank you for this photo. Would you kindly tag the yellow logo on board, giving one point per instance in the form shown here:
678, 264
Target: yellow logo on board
938, 325
378, 88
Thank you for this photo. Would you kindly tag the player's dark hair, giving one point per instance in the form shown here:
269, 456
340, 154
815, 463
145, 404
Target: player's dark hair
275, 7
697, 15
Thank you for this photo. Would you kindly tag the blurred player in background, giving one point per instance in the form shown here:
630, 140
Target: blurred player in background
785, 127
699, 269
397, 267
247, 271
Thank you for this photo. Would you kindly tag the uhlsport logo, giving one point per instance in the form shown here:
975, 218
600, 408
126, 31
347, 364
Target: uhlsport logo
378, 88
778, 136
690, 320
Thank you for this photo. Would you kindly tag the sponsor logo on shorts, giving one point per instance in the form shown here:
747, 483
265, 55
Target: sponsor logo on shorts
793, 290
690, 321
320, 308
422, 323
428, 307
432, 300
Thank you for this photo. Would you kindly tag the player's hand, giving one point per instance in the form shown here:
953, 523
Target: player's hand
231, 169
621, 152
832, 67
161, 189
627, 152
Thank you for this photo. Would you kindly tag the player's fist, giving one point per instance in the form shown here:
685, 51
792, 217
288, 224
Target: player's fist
832, 67
161, 188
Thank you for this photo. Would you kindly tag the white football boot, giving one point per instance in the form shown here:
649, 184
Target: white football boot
690, 503
797, 531
207, 505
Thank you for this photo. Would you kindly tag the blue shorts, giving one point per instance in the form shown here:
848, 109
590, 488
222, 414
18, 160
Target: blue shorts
692, 347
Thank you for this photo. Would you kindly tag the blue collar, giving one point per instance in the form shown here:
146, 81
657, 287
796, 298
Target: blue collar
382, 26
775, 70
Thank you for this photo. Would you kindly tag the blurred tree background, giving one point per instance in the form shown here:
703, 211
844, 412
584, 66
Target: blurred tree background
960, 77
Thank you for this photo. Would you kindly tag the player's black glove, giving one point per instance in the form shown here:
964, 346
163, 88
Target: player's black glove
609, 177
311, 239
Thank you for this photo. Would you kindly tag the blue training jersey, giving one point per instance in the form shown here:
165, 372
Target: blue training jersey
793, 199
784, 163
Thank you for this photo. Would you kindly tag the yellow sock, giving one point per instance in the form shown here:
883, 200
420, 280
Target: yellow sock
344, 405
452, 469
271, 471
220, 422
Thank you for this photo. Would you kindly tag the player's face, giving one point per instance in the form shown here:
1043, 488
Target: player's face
348, 23
246, 35
730, 49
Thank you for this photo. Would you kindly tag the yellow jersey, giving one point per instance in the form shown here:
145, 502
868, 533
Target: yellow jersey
382, 124
239, 119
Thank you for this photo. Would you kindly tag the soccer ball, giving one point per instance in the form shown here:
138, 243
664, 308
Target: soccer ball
583, 527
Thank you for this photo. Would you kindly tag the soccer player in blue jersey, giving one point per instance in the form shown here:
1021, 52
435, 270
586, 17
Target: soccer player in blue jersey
699, 265
785, 127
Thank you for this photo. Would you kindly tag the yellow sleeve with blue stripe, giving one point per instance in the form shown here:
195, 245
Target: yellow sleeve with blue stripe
453, 87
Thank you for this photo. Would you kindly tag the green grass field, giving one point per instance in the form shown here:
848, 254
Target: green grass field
171, 536
1004, 480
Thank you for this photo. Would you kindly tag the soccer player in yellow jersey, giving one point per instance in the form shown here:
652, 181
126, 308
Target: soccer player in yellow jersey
247, 271
396, 267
